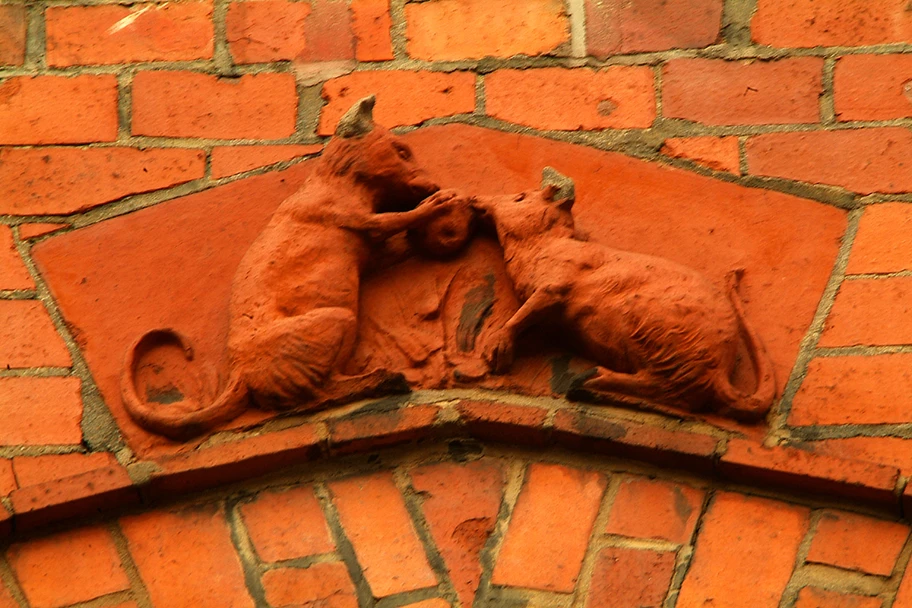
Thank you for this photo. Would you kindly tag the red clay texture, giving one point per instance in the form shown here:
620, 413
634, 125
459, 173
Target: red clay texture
13, 273
881, 246
870, 312
287, 524
12, 34
324, 585
40, 411
645, 508
873, 87
806, 23
230, 160
856, 542
631, 578
717, 153
28, 337
371, 23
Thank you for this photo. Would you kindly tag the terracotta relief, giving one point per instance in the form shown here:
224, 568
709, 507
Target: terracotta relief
371, 280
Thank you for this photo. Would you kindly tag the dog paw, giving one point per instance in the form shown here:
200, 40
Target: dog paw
498, 352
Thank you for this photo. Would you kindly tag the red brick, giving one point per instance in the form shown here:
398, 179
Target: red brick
761, 534
434, 603
570, 99
881, 245
12, 34
748, 462
890, 451
186, 558
904, 594
68, 567
865, 160
480, 28
371, 25
34, 470
403, 98
188, 104
855, 390
460, 504
870, 312
28, 337
230, 160
549, 529
651, 25
856, 542
6, 598
717, 153
387, 547
37, 181
743, 92
319, 586
807, 23
287, 524
630, 578
873, 87
58, 109
7, 477
86, 35
372, 431
811, 597
30, 231
13, 274
502, 422
649, 508
40, 411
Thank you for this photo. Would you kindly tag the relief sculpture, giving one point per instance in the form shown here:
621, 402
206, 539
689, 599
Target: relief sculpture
371, 280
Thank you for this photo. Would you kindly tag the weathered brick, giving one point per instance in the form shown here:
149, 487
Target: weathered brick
570, 99
717, 153
85, 35
387, 548
857, 542
287, 524
12, 34
7, 477
855, 390
68, 567
870, 312
58, 109
403, 98
648, 508
230, 160
890, 451
28, 337
863, 160
873, 87
37, 411
62, 180
739, 529
807, 23
881, 245
434, 603
743, 92
34, 470
650, 25
188, 104
811, 597
372, 431
371, 24
460, 504
6, 598
31, 231
472, 29
904, 594
630, 578
186, 558
549, 529
323, 585
13, 274
493, 421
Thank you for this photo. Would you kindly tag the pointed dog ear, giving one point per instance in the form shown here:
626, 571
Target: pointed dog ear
359, 120
558, 188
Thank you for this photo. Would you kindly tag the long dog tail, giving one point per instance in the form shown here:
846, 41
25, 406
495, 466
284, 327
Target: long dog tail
748, 407
184, 420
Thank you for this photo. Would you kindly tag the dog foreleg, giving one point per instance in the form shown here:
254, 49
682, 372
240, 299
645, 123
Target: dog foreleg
498, 350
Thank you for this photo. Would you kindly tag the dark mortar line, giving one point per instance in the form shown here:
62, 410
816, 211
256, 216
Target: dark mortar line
742, 154
35, 38
36, 372
11, 582
736, 22
18, 294
398, 32
245, 552
407, 598
221, 54
658, 92
310, 107
106, 601
794, 585
481, 101
879, 276
827, 97
122, 545
851, 431
891, 587
681, 570
13, 451
862, 351
300, 563
576, 18
594, 544
124, 105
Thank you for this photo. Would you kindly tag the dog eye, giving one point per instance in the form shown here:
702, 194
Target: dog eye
404, 153
520, 197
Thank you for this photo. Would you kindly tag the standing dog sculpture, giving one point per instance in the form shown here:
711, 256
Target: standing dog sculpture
294, 301
658, 331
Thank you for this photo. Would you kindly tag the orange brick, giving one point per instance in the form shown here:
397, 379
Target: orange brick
811, 597
33, 470
28, 337
40, 411
58, 109
323, 585
435, 603
890, 451
870, 312
759, 533
387, 547
807, 23
570, 99
751, 93
904, 595
30, 231
230, 160
7, 477
717, 153
69, 567
856, 542
37, 181
869, 160
186, 558
403, 98
367, 432
287, 524
188, 104
873, 87
12, 34
881, 245
480, 28
460, 504
13, 274
267, 30
631, 27
855, 390
502, 422
6, 598
371, 24
630, 578
86, 35
550, 528
647, 508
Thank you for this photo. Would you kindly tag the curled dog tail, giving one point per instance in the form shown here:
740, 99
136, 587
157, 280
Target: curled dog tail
180, 420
